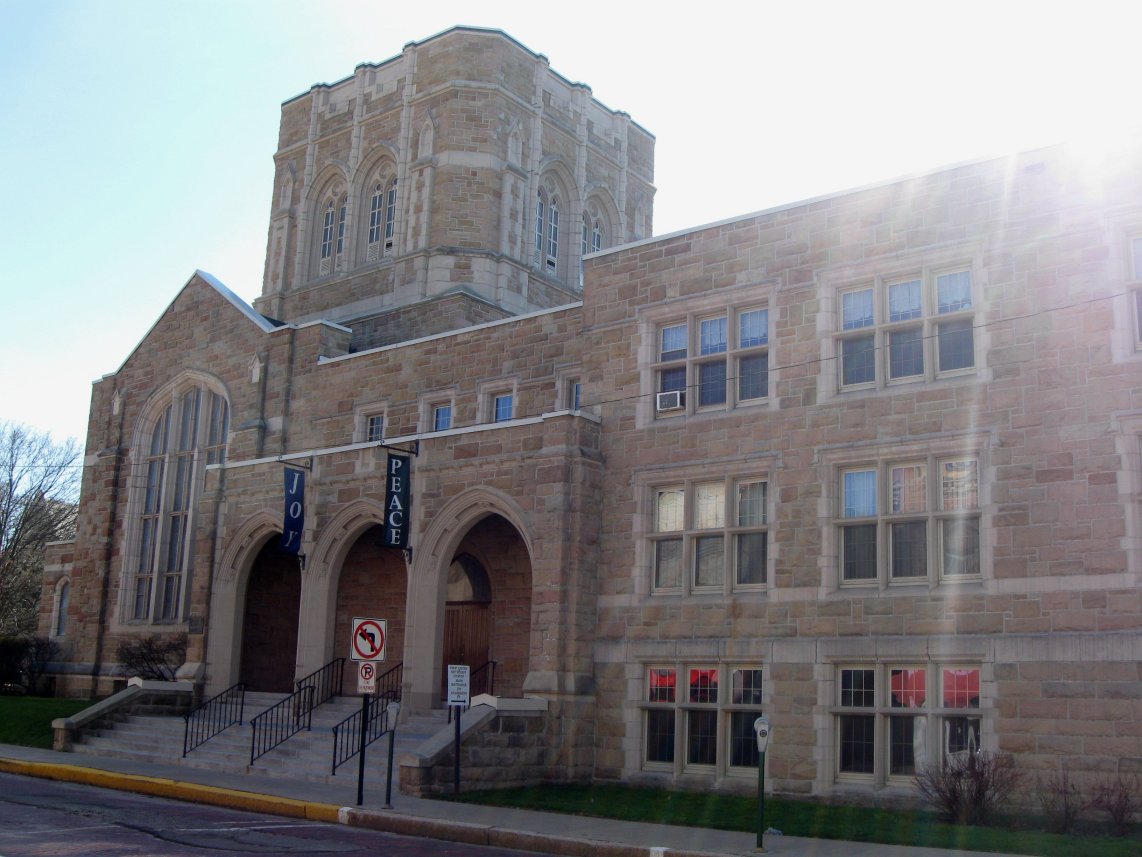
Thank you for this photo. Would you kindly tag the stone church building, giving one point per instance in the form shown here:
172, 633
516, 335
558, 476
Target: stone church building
869, 464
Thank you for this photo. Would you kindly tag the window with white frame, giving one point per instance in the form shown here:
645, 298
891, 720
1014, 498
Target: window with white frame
700, 717
713, 362
185, 434
710, 536
374, 427
908, 329
889, 725
910, 521
442, 416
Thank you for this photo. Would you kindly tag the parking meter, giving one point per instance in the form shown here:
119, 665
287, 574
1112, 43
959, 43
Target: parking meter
762, 728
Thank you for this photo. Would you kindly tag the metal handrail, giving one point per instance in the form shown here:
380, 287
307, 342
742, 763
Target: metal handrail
280, 722
213, 716
481, 680
326, 682
347, 733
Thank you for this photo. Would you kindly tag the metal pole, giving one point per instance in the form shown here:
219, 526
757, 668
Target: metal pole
361, 761
456, 784
760, 799
389, 780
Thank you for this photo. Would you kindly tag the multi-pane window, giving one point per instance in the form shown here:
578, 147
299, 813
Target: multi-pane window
910, 329
915, 520
692, 722
332, 242
716, 361
374, 427
441, 417
710, 536
888, 724
502, 407
187, 434
382, 219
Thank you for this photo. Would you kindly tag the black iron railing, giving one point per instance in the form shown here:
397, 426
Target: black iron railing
347, 733
278, 723
213, 716
389, 683
481, 680
326, 682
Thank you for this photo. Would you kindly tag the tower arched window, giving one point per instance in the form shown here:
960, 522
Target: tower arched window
188, 430
382, 219
596, 237
390, 215
539, 230
553, 234
376, 212
333, 222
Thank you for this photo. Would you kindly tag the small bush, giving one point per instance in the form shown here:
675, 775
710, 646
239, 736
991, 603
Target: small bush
1060, 800
1120, 797
969, 788
153, 657
40, 651
13, 651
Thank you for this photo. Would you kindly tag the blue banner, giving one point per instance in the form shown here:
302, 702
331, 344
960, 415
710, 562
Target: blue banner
397, 481
294, 518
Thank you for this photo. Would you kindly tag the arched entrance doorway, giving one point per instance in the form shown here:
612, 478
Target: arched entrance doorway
468, 619
269, 622
373, 584
487, 611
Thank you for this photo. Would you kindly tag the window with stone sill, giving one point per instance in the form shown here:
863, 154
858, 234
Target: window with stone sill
909, 521
442, 417
502, 407
374, 428
710, 536
905, 330
713, 362
700, 726
889, 726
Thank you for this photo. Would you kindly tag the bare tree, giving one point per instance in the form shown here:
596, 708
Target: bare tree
39, 488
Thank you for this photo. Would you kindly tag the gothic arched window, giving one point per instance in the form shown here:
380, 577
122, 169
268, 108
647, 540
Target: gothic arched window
187, 429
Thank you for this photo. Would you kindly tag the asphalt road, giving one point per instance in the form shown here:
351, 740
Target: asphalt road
43, 818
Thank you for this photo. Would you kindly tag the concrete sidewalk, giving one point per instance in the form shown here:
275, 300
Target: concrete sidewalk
546, 833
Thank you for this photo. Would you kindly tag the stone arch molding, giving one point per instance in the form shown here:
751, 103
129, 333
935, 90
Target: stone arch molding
183, 381
238, 558
452, 523
340, 534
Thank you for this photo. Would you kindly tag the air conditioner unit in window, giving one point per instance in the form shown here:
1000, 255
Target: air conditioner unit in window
675, 400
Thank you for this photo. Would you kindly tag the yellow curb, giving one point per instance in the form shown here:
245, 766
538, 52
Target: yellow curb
161, 787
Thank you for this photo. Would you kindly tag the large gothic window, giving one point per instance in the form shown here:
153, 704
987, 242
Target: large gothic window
186, 431
382, 219
331, 243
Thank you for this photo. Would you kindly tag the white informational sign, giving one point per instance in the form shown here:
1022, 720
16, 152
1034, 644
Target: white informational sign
366, 678
368, 641
458, 687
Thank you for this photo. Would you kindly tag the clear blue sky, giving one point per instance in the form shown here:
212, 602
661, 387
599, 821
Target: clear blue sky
138, 135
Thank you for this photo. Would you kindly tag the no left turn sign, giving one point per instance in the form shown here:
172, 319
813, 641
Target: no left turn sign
368, 643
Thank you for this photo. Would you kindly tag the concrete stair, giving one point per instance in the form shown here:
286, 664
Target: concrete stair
307, 756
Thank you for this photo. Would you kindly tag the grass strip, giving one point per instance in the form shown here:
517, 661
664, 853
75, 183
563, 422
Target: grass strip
27, 720
800, 818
